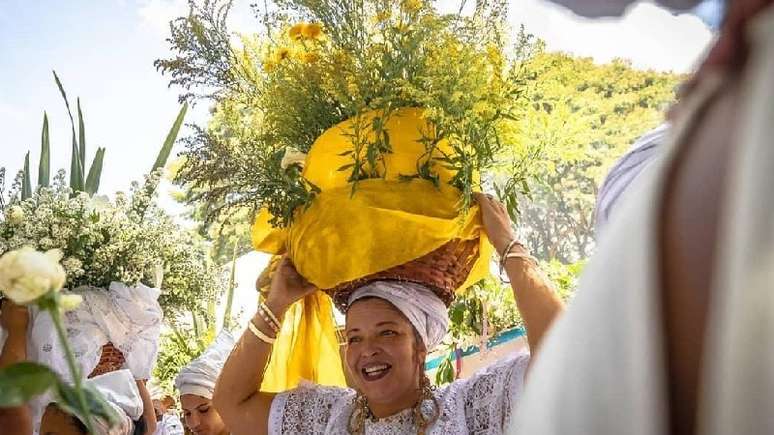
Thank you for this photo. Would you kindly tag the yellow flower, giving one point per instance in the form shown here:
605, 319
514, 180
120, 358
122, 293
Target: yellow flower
382, 16
311, 30
27, 274
269, 65
295, 32
411, 5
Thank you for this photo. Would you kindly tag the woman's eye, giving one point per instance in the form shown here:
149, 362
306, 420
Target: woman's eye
388, 332
353, 340
205, 410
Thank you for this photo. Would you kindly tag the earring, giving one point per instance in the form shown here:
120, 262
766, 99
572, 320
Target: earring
426, 393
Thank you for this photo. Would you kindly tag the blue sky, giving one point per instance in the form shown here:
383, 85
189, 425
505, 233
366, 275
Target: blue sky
104, 51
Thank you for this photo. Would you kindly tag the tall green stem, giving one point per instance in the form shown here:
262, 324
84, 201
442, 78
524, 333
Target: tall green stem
76, 374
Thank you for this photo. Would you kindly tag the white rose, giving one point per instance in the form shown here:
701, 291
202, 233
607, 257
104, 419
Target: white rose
70, 302
27, 274
16, 215
293, 157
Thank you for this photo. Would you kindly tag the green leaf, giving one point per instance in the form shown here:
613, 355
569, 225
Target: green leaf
26, 184
81, 140
22, 381
95, 172
166, 149
76, 169
67, 399
44, 168
345, 167
76, 164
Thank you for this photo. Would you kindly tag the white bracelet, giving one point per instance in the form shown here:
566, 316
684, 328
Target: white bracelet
260, 335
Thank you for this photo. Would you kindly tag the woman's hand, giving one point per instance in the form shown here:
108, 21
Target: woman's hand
287, 287
497, 223
14, 318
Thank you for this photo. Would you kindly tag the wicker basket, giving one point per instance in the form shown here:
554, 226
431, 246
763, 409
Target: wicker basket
111, 360
443, 271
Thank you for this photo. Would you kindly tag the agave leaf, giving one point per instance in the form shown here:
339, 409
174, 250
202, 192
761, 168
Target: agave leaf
166, 149
26, 185
76, 170
76, 164
81, 138
44, 171
95, 173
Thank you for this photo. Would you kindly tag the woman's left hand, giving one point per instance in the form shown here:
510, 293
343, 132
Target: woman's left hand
497, 223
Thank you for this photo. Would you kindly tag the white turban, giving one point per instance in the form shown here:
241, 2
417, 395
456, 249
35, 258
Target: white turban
200, 375
641, 154
121, 394
423, 309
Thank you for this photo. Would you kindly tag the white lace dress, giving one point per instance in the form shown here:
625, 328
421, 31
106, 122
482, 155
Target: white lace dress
481, 404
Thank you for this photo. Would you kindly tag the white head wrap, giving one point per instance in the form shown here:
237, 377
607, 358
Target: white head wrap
121, 393
200, 375
643, 152
426, 312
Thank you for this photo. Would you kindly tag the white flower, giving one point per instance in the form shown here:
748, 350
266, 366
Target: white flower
27, 274
98, 204
293, 157
15, 215
70, 302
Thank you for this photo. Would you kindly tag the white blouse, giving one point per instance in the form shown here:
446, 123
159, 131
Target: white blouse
478, 405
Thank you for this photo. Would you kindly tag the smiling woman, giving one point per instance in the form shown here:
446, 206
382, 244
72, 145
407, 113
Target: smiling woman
390, 327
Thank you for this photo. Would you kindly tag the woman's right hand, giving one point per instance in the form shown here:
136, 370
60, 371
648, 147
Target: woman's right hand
287, 287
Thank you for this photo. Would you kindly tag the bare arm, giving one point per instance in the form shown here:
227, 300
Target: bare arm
242, 407
148, 414
14, 319
535, 297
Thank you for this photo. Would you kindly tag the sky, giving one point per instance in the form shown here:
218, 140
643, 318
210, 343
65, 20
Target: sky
103, 51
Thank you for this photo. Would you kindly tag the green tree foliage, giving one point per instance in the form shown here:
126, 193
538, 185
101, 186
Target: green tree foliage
583, 116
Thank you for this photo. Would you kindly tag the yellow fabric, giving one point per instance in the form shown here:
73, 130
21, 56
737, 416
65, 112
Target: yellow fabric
306, 347
386, 222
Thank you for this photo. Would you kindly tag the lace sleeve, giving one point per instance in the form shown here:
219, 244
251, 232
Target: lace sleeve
487, 397
306, 409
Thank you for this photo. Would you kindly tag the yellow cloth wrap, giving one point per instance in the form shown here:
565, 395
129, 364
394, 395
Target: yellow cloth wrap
342, 237
306, 347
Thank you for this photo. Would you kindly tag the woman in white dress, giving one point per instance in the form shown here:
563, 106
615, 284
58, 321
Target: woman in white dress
390, 327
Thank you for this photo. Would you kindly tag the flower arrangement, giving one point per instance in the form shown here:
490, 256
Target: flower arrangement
129, 240
319, 63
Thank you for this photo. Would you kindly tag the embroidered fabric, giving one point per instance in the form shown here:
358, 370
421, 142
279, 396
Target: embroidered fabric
481, 404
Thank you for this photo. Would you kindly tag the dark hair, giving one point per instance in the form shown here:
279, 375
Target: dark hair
139, 426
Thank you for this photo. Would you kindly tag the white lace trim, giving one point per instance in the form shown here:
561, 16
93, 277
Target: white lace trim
481, 404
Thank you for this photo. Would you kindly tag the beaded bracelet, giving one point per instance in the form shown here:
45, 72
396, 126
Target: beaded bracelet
266, 309
260, 335
262, 312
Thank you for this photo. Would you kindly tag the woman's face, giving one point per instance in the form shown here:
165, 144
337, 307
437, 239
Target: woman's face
200, 417
383, 356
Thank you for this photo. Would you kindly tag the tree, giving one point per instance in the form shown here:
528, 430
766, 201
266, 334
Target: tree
582, 116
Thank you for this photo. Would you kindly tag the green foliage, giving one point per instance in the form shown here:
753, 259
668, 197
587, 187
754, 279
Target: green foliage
290, 83
169, 141
44, 167
582, 116
22, 381
467, 318
26, 183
